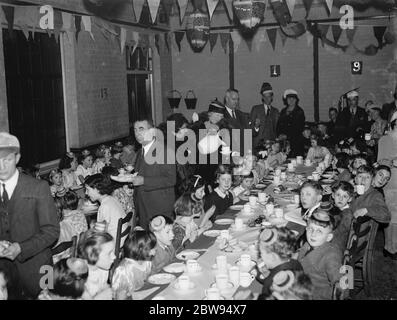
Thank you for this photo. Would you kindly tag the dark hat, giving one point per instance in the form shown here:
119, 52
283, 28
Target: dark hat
216, 106
266, 88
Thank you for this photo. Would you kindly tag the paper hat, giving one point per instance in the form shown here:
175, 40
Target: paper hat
85, 153
326, 206
216, 106
268, 236
266, 88
61, 192
290, 92
8, 143
283, 280
158, 223
77, 265
352, 94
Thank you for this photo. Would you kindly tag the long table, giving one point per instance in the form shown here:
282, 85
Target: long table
207, 259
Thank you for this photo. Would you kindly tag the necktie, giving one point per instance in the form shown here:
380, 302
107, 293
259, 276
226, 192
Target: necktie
234, 115
266, 110
4, 197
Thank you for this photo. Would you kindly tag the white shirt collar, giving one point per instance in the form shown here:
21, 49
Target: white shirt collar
230, 111
345, 207
220, 193
147, 147
11, 184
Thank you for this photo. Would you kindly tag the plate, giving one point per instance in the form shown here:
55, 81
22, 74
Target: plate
328, 180
223, 222
246, 268
176, 267
328, 175
233, 228
124, 177
176, 286
212, 233
161, 278
260, 186
236, 207
187, 255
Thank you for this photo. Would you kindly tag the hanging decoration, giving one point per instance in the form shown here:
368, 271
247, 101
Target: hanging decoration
291, 6
182, 9
225, 38
307, 4
178, 38
174, 98
329, 3
250, 12
138, 6
153, 8
229, 8
190, 100
213, 40
198, 30
293, 29
212, 6
336, 32
272, 34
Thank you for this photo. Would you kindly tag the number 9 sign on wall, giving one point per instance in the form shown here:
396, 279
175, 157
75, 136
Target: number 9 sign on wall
357, 67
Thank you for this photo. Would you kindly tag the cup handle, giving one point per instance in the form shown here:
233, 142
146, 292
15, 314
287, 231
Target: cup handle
252, 277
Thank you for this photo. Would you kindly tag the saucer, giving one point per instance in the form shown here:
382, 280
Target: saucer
176, 286
228, 287
176, 267
233, 228
161, 278
212, 233
187, 255
223, 222
246, 268
260, 186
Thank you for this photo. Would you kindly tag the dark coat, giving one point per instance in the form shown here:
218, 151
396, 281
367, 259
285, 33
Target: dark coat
157, 195
292, 125
349, 125
268, 126
240, 123
34, 224
388, 109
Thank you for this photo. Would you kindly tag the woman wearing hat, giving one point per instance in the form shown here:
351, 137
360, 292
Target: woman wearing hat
292, 120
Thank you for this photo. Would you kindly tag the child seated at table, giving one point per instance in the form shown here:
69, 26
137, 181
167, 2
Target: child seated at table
68, 166
317, 152
291, 285
70, 276
116, 151
97, 248
162, 226
356, 162
276, 157
320, 258
371, 203
197, 192
342, 194
245, 183
381, 179
311, 194
277, 247
136, 266
185, 230
222, 198
56, 183
341, 164
103, 155
84, 169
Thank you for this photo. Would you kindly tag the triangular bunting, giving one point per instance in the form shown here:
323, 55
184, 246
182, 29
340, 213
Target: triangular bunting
229, 8
167, 6
2, 17
77, 23
123, 38
58, 23
291, 6
213, 40
336, 32
379, 33
150, 41
329, 5
167, 41
236, 38
282, 36
182, 8
135, 38
350, 34
260, 38
323, 29
178, 38
248, 41
138, 5
308, 5
87, 25
25, 31
225, 37
211, 6
272, 34
309, 38
66, 21
9, 15
154, 8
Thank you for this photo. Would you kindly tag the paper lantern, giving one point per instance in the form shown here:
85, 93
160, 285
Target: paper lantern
250, 12
198, 29
174, 98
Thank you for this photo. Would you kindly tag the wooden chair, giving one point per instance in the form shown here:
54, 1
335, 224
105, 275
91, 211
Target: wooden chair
359, 253
120, 234
63, 246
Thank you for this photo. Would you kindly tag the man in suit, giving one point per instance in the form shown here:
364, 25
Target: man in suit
264, 117
156, 179
237, 120
29, 225
353, 119
389, 108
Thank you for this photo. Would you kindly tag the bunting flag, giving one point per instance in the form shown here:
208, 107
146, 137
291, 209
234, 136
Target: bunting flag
236, 38
213, 40
178, 38
309, 38
25, 17
323, 29
9, 15
282, 36
67, 25
248, 41
57, 24
225, 37
307, 4
157, 40
77, 23
336, 32
138, 5
135, 38
87, 25
211, 6
167, 40
182, 8
379, 33
260, 37
123, 38
229, 8
291, 6
329, 3
272, 35
167, 6
2, 17
350, 34
154, 8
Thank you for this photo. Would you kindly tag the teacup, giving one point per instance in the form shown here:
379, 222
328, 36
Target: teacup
279, 213
226, 149
192, 266
234, 275
246, 279
262, 197
297, 198
269, 208
225, 234
277, 172
276, 180
316, 176
367, 137
238, 223
360, 189
253, 200
184, 282
247, 208
294, 162
290, 167
222, 281
299, 160
221, 262
212, 294
308, 162
245, 260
